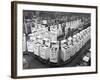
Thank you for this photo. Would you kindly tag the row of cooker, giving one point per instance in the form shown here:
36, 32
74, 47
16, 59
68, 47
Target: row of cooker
54, 50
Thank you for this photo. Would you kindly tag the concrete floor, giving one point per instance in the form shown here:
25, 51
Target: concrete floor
34, 63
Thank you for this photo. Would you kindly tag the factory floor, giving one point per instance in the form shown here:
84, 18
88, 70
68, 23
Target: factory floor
33, 62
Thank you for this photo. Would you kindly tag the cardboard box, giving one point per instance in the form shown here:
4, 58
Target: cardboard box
32, 37
44, 22
53, 36
36, 48
64, 53
70, 40
86, 59
39, 39
66, 30
39, 26
46, 35
44, 52
47, 42
79, 41
68, 53
74, 44
54, 49
60, 32
24, 43
33, 29
70, 47
63, 50
30, 46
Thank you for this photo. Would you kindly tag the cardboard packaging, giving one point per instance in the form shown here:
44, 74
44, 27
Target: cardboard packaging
45, 49
24, 43
60, 32
32, 37
53, 36
37, 44
39, 26
30, 44
66, 30
39, 39
44, 52
70, 47
86, 59
54, 49
44, 22
74, 44
47, 42
36, 48
46, 35
81, 39
78, 39
63, 49
64, 53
